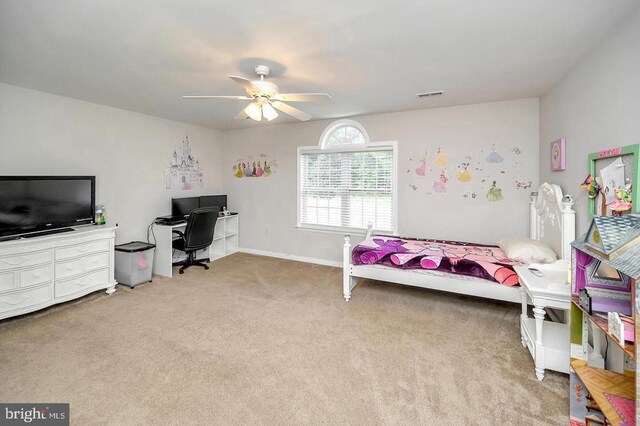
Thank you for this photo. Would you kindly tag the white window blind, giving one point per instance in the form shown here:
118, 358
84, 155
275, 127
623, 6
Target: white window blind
347, 189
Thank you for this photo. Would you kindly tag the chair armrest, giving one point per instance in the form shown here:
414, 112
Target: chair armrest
180, 233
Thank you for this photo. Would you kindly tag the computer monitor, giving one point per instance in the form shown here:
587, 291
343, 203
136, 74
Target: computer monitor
213, 201
184, 206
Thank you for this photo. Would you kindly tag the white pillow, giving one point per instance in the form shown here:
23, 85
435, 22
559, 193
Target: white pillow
527, 251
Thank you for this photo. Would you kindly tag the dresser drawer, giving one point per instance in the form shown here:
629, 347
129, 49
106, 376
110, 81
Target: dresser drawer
25, 298
82, 249
34, 276
7, 280
97, 261
22, 260
75, 285
70, 268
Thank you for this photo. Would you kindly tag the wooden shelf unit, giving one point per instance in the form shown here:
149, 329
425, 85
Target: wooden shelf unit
603, 325
598, 382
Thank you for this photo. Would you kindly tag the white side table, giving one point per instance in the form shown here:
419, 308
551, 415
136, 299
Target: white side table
547, 341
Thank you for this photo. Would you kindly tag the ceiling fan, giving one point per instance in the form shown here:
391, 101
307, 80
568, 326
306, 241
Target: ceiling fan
266, 98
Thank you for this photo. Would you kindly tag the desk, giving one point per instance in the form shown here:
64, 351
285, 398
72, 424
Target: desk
547, 341
225, 242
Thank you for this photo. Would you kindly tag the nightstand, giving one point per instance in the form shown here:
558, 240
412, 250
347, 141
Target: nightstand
545, 339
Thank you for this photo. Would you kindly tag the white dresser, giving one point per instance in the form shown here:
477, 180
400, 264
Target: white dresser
42, 271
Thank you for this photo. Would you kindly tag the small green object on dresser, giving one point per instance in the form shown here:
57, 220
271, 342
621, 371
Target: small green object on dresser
101, 215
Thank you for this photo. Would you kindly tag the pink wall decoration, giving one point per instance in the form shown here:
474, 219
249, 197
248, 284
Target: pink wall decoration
558, 155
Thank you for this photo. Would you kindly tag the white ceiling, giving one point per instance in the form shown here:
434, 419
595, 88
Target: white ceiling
371, 56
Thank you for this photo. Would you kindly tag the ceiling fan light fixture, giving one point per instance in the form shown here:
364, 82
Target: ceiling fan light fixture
269, 112
266, 100
254, 111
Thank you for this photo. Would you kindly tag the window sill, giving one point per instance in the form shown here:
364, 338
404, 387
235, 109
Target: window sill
339, 231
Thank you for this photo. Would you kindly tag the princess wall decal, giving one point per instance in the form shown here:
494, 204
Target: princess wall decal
420, 171
254, 169
493, 156
441, 160
494, 193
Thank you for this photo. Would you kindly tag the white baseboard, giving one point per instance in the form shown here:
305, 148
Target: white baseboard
291, 257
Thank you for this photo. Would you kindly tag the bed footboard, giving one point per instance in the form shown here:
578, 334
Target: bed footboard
348, 281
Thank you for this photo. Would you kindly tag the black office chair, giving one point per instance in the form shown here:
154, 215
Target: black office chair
198, 235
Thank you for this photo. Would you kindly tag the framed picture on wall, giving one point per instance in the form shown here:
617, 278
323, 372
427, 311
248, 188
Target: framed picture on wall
558, 155
614, 169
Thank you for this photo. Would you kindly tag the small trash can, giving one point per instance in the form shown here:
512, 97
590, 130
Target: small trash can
134, 263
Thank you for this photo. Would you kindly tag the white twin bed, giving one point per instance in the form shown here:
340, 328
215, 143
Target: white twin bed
551, 221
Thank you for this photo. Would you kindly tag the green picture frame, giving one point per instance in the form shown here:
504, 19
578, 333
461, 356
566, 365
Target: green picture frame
630, 155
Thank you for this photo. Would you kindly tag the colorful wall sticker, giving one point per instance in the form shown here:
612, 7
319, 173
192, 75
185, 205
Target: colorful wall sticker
493, 156
440, 185
254, 168
420, 171
463, 173
184, 170
441, 160
494, 193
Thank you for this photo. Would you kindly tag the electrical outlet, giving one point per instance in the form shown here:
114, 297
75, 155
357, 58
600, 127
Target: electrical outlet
268, 230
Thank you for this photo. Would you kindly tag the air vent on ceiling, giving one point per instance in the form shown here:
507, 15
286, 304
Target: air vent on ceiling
429, 94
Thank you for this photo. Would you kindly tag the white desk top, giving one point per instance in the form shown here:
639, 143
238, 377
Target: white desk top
552, 285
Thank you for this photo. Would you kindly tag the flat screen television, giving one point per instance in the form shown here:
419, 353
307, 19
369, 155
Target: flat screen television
37, 203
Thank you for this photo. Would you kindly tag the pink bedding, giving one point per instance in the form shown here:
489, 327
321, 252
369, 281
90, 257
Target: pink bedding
483, 261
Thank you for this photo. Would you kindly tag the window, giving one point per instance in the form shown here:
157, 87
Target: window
343, 132
347, 182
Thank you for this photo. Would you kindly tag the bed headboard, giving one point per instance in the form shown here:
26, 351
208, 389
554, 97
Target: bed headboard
552, 219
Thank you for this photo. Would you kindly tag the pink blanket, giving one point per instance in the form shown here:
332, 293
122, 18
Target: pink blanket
484, 261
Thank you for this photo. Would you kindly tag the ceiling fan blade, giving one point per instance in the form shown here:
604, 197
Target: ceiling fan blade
239, 98
303, 97
248, 86
294, 112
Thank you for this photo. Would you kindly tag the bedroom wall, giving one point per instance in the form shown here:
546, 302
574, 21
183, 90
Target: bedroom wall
595, 107
44, 134
268, 205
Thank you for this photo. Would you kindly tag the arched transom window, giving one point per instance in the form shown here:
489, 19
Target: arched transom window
343, 133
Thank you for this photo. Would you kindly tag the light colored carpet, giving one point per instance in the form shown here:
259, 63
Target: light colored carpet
257, 340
